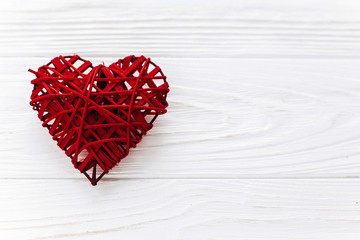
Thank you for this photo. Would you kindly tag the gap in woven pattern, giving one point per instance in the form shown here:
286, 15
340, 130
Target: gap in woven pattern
96, 114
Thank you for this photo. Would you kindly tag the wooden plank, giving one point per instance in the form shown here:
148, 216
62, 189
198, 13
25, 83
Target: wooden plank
226, 28
180, 209
228, 118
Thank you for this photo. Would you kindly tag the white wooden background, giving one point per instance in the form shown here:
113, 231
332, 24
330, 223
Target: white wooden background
261, 140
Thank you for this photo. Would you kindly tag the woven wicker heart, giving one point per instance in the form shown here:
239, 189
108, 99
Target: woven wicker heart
96, 114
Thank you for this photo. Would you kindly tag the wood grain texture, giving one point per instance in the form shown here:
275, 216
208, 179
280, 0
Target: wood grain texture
270, 118
227, 28
261, 135
180, 209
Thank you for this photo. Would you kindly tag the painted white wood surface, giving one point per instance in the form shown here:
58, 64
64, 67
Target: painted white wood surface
188, 28
260, 139
243, 118
181, 209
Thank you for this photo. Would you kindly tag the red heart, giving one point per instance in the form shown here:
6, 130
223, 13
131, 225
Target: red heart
96, 114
